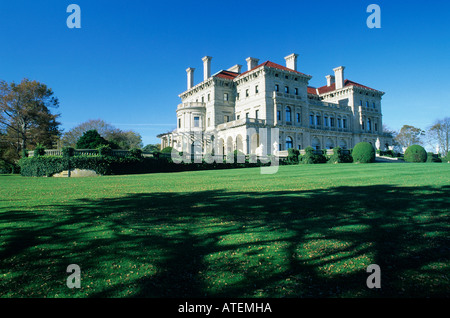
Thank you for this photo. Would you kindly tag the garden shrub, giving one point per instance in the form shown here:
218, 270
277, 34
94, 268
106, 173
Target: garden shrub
363, 152
431, 157
39, 150
308, 157
104, 150
293, 156
336, 157
167, 150
415, 153
135, 153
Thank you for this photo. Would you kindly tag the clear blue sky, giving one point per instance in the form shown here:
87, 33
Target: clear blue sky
127, 63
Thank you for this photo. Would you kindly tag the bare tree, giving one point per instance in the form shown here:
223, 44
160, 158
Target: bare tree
438, 134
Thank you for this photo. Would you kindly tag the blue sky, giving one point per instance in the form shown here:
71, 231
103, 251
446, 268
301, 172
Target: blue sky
126, 65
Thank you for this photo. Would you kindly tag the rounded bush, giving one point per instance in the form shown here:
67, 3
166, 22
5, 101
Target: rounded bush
415, 153
363, 152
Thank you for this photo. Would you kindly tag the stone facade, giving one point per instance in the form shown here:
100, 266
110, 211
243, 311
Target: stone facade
231, 110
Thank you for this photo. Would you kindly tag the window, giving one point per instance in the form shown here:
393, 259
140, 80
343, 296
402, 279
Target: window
311, 120
344, 123
289, 143
246, 93
286, 77
246, 115
373, 105
331, 122
296, 91
196, 121
276, 75
376, 127
209, 122
237, 96
256, 89
209, 97
286, 90
257, 113
203, 99
339, 123
179, 122
299, 119
278, 115
325, 121
367, 104
226, 118
225, 96
317, 120
238, 116
360, 103
277, 88
369, 124
288, 114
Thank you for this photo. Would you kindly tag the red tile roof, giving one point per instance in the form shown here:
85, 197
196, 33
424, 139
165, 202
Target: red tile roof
274, 65
226, 74
332, 87
312, 90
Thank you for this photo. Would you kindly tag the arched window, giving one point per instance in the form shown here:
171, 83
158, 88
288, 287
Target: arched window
289, 143
288, 114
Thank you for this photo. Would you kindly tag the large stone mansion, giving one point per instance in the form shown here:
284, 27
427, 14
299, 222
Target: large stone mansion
230, 109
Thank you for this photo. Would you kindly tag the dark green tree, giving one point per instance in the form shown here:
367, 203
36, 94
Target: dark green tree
91, 139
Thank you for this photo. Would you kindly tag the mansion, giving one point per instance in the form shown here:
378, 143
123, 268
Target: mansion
232, 110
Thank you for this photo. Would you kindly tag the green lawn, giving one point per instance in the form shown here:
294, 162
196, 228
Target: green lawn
306, 231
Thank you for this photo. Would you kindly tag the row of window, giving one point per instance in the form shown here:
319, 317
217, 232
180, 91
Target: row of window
367, 104
286, 89
316, 120
369, 125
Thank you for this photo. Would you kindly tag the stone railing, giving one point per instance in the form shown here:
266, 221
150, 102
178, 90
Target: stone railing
88, 152
240, 122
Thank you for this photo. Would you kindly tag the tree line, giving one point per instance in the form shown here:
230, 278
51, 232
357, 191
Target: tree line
29, 119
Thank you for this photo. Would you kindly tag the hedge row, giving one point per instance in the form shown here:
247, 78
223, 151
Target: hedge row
40, 166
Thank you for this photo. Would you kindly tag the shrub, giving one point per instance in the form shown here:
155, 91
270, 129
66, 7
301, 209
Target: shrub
415, 153
39, 150
308, 157
431, 157
363, 152
68, 152
167, 150
135, 153
293, 156
336, 157
104, 150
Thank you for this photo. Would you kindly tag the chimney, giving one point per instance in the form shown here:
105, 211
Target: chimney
339, 75
251, 62
190, 77
330, 80
206, 67
236, 68
291, 61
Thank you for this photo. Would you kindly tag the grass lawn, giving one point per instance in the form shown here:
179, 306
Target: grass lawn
306, 231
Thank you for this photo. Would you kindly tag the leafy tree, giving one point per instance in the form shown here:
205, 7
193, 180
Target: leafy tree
118, 139
438, 134
409, 135
151, 148
25, 116
91, 139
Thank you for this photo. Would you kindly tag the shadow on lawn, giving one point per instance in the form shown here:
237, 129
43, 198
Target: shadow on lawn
314, 243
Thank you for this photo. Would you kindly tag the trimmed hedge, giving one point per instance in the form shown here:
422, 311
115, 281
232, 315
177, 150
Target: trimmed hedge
363, 152
431, 157
338, 156
49, 165
415, 153
293, 156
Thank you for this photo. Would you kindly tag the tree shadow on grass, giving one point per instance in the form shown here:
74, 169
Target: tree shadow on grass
314, 243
